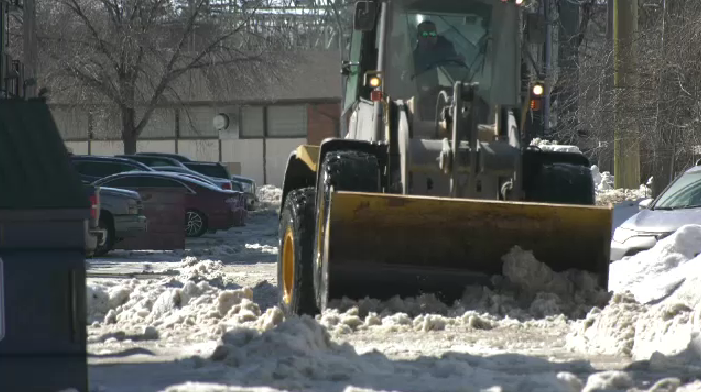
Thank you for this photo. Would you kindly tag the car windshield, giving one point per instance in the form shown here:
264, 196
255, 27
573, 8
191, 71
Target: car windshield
434, 43
210, 170
685, 192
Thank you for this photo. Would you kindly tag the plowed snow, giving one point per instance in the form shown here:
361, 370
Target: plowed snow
226, 335
656, 312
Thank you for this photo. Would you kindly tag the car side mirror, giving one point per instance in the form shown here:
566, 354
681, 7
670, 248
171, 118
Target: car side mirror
364, 15
535, 28
645, 204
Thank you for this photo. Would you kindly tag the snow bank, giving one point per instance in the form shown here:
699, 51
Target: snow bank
605, 192
201, 300
655, 312
200, 303
656, 273
252, 347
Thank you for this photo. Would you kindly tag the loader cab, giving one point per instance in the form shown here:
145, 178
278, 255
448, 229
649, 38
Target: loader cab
363, 56
478, 42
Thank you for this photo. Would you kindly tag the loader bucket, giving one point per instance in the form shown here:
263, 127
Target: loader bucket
381, 245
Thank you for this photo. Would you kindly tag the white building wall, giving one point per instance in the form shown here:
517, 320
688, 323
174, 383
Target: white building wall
277, 152
199, 149
167, 146
248, 152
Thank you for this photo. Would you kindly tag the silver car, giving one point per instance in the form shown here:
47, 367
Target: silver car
676, 206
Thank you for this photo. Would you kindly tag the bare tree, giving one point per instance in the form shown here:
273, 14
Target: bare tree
137, 53
660, 110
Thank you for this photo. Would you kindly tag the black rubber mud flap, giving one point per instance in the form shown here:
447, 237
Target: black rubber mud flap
296, 234
345, 170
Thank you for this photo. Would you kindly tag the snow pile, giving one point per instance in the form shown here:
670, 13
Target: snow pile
528, 294
654, 274
655, 312
553, 146
299, 354
602, 181
270, 197
199, 303
605, 192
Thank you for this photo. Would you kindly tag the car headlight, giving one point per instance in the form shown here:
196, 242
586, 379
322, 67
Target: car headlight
621, 234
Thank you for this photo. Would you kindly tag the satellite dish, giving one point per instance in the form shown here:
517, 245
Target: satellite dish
220, 121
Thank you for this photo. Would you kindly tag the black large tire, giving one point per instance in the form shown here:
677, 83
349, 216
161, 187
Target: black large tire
564, 183
107, 224
295, 279
354, 171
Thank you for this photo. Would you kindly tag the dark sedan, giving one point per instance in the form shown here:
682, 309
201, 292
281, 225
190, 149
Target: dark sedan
92, 168
207, 207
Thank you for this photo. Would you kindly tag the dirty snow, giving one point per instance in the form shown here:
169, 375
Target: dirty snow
215, 329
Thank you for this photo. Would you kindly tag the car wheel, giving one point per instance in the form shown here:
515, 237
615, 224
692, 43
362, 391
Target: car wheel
108, 244
195, 223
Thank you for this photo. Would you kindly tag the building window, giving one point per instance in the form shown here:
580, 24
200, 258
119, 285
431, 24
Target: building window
196, 121
160, 125
252, 124
287, 121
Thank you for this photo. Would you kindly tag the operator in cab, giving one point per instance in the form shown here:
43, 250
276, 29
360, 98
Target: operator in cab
431, 48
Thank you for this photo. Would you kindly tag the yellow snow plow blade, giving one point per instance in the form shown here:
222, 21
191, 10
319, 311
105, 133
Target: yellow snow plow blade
381, 245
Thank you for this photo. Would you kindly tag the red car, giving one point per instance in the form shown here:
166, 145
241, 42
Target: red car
207, 207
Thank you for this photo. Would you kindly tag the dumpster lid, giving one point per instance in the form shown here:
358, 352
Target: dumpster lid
35, 170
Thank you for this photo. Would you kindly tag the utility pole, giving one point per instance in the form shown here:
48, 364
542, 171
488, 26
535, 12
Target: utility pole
626, 138
3, 39
546, 66
30, 48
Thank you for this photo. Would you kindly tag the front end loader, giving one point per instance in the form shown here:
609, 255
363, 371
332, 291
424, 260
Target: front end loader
431, 186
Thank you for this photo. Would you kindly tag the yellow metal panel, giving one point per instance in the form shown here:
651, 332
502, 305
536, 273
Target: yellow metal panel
462, 234
309, 155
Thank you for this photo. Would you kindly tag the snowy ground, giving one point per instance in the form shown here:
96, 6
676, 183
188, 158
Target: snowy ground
205, 320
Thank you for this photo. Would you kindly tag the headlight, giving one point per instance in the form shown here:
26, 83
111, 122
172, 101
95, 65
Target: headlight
621, 234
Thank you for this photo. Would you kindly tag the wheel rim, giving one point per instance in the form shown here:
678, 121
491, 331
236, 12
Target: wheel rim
288, 272
194, 223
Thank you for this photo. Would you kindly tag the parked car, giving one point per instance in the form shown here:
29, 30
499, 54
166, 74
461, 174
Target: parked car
153, 160
96, 234
210, 169
221, 183
121, 216
248, 187
206, 206
92, 168
177, 157
678, 205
